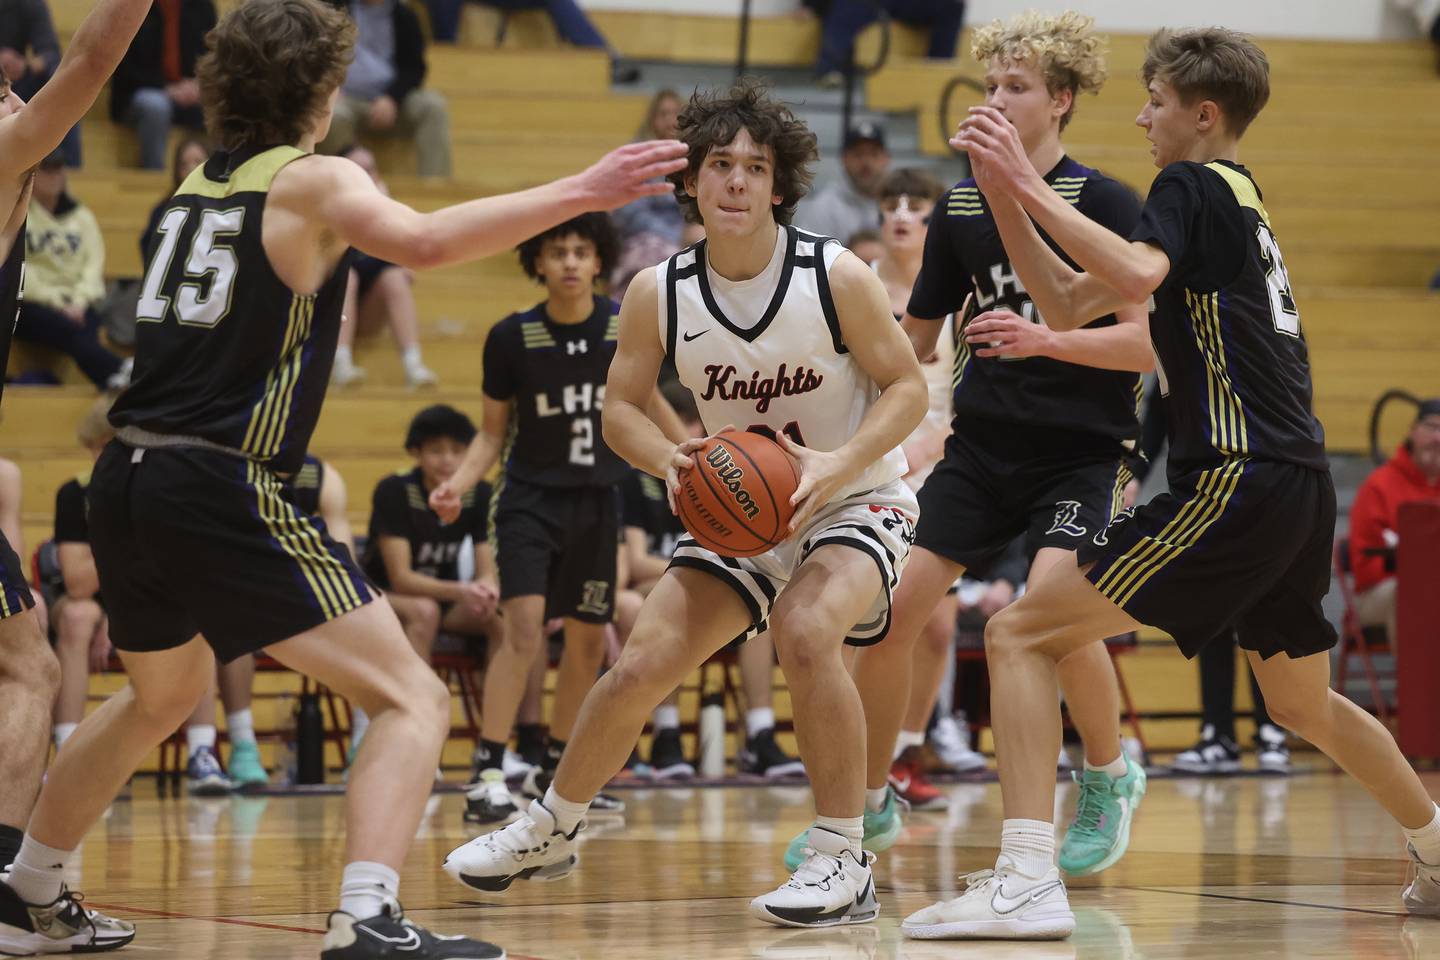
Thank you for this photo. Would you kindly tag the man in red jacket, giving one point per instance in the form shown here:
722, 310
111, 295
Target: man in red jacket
1412, 474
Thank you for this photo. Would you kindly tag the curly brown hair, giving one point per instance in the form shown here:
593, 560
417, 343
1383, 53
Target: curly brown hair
712, 119
270, 70
598, 228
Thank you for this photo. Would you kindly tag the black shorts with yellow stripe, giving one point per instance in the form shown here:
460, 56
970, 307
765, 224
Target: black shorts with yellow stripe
193, 541
15, 594
1243, 545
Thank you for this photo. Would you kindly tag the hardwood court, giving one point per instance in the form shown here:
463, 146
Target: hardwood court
1231, 868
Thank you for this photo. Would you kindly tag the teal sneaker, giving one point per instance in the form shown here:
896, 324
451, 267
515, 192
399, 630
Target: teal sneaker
1100, 832
246, 770
882, 829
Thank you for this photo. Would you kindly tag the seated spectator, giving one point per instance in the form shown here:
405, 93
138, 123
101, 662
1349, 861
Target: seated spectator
382, 92
844, 19
188, 154
851, 202
64, 277
154, 86
651, 228
866, 244
1413, 473
378, 292
29, 54
570, 22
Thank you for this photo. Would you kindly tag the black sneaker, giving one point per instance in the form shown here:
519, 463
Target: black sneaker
64, 926
667, 757
538, 782
1270, 749
488, 800
1211, 755
763, 756
388, 935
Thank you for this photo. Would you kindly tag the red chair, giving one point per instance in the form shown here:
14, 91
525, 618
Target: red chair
1356, 640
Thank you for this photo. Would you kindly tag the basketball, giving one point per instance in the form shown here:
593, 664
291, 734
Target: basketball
736, 500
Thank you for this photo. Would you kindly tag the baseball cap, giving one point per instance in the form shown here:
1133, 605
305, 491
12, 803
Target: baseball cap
865, 130
1428, 408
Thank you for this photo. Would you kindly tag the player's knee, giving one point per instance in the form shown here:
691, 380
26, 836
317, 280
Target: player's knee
427, 614
166, 707
1003, 636
26, 659
1300, 714
76, 622
801, 645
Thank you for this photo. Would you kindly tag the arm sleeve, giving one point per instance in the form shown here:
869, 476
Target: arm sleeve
389, 510
499, 370
1168, 220
409, 54
70, 524
943, 283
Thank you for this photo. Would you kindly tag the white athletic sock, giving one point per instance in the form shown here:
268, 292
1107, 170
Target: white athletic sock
567, 814
851, 828
1426, 840
39, 872
359, 723
199, 735
907, 739
875, 799
1029, 845
62, 733
1115, 769
343, 358
758, 719
410, 357
241, 726
666, 717
364, 887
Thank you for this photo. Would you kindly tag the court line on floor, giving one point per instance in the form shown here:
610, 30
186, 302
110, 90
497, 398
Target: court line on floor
1288, 903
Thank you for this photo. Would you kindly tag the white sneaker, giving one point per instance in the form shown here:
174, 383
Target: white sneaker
531, 848
514, 766
1270, 750
1064, 762
420, 376
488, 800
951, 740
830, 887
344, 373
998, 904
1422, 894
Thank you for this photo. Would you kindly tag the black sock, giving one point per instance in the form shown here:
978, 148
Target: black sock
491, 755
10, 840
529, 738
553, 749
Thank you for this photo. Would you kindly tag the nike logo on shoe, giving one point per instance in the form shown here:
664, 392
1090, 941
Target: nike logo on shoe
688, 337
409, 942
1002, 904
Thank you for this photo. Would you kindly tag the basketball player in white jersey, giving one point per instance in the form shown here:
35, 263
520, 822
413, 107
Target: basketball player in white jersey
788, 334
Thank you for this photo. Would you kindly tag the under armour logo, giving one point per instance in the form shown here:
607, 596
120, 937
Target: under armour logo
1066, 511
573, 347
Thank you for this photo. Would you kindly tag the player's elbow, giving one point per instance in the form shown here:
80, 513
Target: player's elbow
423, 251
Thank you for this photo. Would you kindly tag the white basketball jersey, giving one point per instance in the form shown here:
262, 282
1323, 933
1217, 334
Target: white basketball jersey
766, 354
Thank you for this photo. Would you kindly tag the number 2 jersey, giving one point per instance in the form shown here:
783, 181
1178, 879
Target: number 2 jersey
1232, 358
225, 352
767, 354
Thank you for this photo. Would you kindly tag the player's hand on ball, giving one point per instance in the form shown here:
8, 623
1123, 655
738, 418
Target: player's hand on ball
681, 459
821, 475
445, 501
630, 172
1000, 333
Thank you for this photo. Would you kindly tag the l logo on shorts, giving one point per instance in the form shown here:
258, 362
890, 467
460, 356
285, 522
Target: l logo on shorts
1066, 512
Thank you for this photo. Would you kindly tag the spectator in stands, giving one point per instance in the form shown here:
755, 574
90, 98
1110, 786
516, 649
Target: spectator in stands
378, 292
382, 92
155, 87
851, 203
867, 245
651, 228
64, 277
29, 54
189, 153
1413, 473
570, 22
844, 19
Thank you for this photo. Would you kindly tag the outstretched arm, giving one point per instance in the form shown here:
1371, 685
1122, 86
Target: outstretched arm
1123, 346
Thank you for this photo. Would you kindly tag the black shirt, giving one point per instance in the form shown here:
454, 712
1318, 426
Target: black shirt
645, 506
401, 508
71, 513
964, 255
12, 277
305, 486
554, 375
1233, 362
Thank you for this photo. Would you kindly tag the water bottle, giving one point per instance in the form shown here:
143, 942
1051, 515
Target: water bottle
285, 752
310, 740
712, 734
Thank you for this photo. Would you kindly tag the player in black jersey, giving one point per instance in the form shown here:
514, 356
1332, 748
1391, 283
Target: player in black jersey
555, 512
1042, 418
29, 673
1243, 536
192, 530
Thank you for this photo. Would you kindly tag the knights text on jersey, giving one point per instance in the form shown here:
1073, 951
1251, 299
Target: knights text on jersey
224, 350
964, 256
783, 366
1232, 358
12, 289
554, 376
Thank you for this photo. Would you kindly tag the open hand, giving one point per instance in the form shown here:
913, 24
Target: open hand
630, 172
1000, 333
821, 476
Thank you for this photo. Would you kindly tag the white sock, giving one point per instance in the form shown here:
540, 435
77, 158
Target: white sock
567, 814
199, 735
62, 733
241, 726
359, 723
666, 717
410, 357
1029, 845
907, 739
1115, 769
875, 799
851, 828
39, 872
1426, 840
343, 358
759, 719
364, 887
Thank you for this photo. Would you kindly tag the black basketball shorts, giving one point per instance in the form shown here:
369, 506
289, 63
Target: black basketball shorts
560, 543
997, 481
1245, 545
15, 596
191, 541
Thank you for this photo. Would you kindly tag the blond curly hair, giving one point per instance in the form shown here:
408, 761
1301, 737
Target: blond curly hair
1063, 47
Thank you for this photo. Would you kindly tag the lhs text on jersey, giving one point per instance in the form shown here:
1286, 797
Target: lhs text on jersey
575, 398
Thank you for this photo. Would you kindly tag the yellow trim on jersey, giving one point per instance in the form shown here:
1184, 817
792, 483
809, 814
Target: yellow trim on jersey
5, 610
272, 414
297, 536
1227, 417
512, 430
1123, 476
252, 176
1245, 193
1132, 569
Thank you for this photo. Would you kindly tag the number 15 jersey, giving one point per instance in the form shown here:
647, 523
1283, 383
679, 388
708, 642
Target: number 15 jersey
766, 354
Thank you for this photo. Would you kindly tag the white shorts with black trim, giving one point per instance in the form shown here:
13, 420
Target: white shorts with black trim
880, 523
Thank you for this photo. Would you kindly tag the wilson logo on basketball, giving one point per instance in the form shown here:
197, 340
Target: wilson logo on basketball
728, 472
762, 390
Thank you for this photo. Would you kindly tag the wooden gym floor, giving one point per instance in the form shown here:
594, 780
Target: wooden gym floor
1223, 868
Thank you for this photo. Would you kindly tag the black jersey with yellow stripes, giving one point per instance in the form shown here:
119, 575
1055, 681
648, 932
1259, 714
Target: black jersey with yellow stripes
12, 282
1232, 358
305, 485
224, 350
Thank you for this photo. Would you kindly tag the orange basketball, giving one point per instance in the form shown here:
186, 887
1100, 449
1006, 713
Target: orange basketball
736, 500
